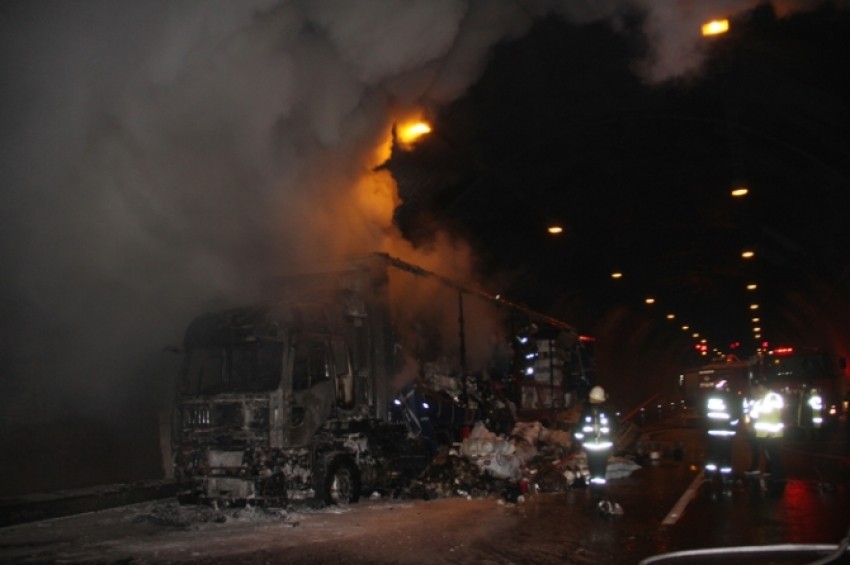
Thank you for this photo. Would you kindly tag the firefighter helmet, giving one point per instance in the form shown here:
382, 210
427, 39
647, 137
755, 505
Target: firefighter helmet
597, 395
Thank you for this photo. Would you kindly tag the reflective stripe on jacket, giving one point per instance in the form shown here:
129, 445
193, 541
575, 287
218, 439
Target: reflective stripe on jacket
594, 431
767, 415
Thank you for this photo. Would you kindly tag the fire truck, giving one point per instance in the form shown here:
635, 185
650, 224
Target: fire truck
810, 380
730, 372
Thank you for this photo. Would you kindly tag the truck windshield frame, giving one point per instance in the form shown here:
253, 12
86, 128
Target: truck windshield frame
234, 368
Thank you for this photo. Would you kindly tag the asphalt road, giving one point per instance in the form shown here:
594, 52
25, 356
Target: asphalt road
666, 507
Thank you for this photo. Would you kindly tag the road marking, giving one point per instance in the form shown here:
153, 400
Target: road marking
679, 508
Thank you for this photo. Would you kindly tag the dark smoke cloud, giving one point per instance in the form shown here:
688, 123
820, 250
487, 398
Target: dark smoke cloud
159, 158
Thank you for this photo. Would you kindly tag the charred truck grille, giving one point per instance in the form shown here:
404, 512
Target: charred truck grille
226, 416
226, 440
224, 454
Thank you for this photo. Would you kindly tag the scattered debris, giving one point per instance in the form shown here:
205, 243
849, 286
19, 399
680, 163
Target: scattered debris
608, 508
532, 459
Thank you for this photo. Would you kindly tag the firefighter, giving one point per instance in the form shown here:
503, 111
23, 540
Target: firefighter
594, 433
811, 412
747, 426
769, 428
722, 417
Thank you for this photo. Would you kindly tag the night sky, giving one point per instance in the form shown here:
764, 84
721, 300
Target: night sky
160, 159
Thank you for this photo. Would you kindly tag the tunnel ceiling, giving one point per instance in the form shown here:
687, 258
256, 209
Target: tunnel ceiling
640, 175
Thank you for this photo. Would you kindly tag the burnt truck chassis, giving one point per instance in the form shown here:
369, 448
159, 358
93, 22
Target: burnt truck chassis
345, 460
290, 402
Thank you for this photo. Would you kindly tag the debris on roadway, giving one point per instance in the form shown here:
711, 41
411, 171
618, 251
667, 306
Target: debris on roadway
531, 459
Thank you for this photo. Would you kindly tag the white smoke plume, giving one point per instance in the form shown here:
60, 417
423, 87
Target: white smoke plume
159, 156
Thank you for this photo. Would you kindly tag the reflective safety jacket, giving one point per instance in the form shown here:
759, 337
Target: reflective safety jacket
815, 405
766, 414
594, 429
721, 413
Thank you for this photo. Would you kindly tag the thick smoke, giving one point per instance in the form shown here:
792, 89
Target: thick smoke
160, 158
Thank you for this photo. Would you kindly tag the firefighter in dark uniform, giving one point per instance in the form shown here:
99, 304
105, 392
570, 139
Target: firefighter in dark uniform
595, 433
722, 413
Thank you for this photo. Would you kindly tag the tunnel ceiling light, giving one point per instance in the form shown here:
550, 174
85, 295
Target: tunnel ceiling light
740, 191
686, 328
555, 230
650, 300
671, 316
754, 306
616, 275
715, 27
748, 254
752, 286
412, 131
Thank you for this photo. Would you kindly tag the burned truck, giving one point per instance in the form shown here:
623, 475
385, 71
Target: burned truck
299, 399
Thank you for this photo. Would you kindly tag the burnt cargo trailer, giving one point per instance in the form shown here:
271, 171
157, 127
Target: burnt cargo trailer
289, 401
316, 395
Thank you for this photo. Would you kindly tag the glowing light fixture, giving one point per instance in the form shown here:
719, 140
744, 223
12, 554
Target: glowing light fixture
671, 316
616, 275
410, 132
715, 27
555, 230
686, 328
754, 306
748, 254
650, 300
752, 286
740, 191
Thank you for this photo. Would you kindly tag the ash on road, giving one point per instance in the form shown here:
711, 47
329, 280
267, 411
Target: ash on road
545, 528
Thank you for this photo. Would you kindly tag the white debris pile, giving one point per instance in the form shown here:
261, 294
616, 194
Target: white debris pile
533, 458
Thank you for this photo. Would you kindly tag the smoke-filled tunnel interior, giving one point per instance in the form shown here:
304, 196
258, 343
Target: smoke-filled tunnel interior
158, 163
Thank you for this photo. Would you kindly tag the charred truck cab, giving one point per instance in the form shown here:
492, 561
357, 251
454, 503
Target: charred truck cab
289, 401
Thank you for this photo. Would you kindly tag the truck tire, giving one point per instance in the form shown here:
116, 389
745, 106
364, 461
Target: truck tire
342, 483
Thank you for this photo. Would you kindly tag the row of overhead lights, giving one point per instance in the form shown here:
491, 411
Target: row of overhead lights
702, 344
715, 27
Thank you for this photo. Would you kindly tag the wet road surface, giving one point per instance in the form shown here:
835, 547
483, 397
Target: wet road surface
546, 528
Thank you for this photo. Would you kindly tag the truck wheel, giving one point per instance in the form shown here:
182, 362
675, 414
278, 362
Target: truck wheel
342, 485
